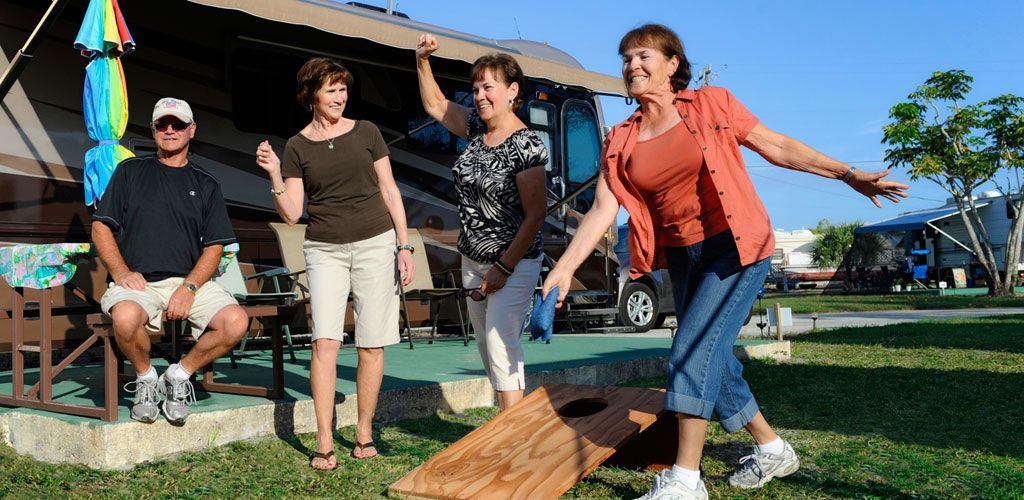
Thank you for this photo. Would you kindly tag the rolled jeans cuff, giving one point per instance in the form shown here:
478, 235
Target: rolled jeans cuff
689, 405
736, 422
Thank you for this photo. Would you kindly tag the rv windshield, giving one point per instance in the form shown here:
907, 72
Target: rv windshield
583, 149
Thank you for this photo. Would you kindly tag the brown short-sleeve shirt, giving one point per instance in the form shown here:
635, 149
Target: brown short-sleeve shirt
343, 199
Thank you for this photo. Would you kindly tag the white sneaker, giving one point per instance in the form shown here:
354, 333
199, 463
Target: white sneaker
178, 396
757, 469
667, 487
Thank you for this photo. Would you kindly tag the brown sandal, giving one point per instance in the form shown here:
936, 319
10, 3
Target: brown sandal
326, 457
363, 446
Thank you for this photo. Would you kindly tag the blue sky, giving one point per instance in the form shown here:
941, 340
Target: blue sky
823, 72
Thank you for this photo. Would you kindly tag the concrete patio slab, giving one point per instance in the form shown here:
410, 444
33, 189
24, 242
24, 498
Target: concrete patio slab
444, 376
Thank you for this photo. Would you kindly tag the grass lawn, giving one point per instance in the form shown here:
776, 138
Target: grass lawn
918, 410
808, 302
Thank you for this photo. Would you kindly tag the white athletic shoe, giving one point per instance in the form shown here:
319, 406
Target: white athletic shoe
757, 469
667, 487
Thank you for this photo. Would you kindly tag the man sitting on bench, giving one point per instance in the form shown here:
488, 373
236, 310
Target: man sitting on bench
171, 226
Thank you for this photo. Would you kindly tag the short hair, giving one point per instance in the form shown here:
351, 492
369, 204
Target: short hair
505, 69
316, 73
665, 40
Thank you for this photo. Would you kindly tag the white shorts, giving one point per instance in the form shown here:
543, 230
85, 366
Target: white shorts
498, 320
210, 299
368, 269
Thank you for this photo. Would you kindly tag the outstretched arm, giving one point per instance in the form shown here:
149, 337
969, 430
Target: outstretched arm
790, 153
453, 116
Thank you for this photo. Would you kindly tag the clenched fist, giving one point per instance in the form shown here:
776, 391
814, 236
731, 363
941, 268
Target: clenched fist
426, 46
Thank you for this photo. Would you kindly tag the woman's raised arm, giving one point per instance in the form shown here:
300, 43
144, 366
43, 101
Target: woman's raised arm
453, 116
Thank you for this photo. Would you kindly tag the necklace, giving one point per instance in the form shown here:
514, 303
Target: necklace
330, 140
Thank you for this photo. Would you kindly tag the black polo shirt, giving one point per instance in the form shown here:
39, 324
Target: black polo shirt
163, 216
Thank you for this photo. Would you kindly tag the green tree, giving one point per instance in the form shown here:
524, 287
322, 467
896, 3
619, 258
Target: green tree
961, 147
840, 246
823, 224
832, 244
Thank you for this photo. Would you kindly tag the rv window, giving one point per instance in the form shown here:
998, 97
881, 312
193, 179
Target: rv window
262, 92
427, 135
541, 114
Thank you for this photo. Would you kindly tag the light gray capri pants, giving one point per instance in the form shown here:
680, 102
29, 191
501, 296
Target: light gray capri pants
498, 320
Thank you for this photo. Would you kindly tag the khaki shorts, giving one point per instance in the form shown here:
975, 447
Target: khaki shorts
210, 299
368, 269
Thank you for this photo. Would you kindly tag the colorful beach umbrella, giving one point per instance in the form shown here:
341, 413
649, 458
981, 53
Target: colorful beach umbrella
104, 38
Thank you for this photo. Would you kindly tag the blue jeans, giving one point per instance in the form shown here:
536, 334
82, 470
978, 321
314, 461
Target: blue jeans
713, 294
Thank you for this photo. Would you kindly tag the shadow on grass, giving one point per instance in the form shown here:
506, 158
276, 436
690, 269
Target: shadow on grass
1000, 333
971, 409
436, 428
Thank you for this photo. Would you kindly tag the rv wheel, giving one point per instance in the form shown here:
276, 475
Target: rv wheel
638, 307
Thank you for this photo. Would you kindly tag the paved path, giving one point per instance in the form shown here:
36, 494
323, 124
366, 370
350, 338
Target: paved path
802, 323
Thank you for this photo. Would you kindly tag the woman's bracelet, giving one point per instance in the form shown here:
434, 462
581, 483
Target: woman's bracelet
848, 175
277, 192
502, 268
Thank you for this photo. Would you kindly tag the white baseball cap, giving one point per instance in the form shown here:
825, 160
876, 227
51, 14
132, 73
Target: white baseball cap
169, 106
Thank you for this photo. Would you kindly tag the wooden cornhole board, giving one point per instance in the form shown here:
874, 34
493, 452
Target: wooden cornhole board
541, 447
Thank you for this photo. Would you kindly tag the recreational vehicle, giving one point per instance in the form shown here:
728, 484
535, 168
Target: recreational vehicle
937, 239
235, 61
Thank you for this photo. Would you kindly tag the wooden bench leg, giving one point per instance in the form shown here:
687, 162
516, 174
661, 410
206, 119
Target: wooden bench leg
111, 365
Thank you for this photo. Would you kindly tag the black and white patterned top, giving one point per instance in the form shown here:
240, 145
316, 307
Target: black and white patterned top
485, 182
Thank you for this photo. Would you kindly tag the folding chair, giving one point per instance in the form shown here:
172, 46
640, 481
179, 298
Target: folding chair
422, 289
234, 282
289, 241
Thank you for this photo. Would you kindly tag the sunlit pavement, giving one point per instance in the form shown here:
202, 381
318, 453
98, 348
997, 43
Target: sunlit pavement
803, 323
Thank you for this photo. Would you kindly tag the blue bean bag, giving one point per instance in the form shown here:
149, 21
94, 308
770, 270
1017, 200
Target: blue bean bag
543, 318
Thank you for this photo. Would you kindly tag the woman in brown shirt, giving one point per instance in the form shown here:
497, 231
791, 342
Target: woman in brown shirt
357, 226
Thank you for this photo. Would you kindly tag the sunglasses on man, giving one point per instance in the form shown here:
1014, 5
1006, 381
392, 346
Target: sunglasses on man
472, 293
174, 123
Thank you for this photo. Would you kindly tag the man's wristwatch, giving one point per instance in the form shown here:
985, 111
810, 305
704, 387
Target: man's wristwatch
191, 287
408, 247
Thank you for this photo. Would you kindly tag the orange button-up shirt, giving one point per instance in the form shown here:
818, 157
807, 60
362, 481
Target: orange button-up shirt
720, 124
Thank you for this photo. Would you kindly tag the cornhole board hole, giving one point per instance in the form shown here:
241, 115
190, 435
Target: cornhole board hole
542, 446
